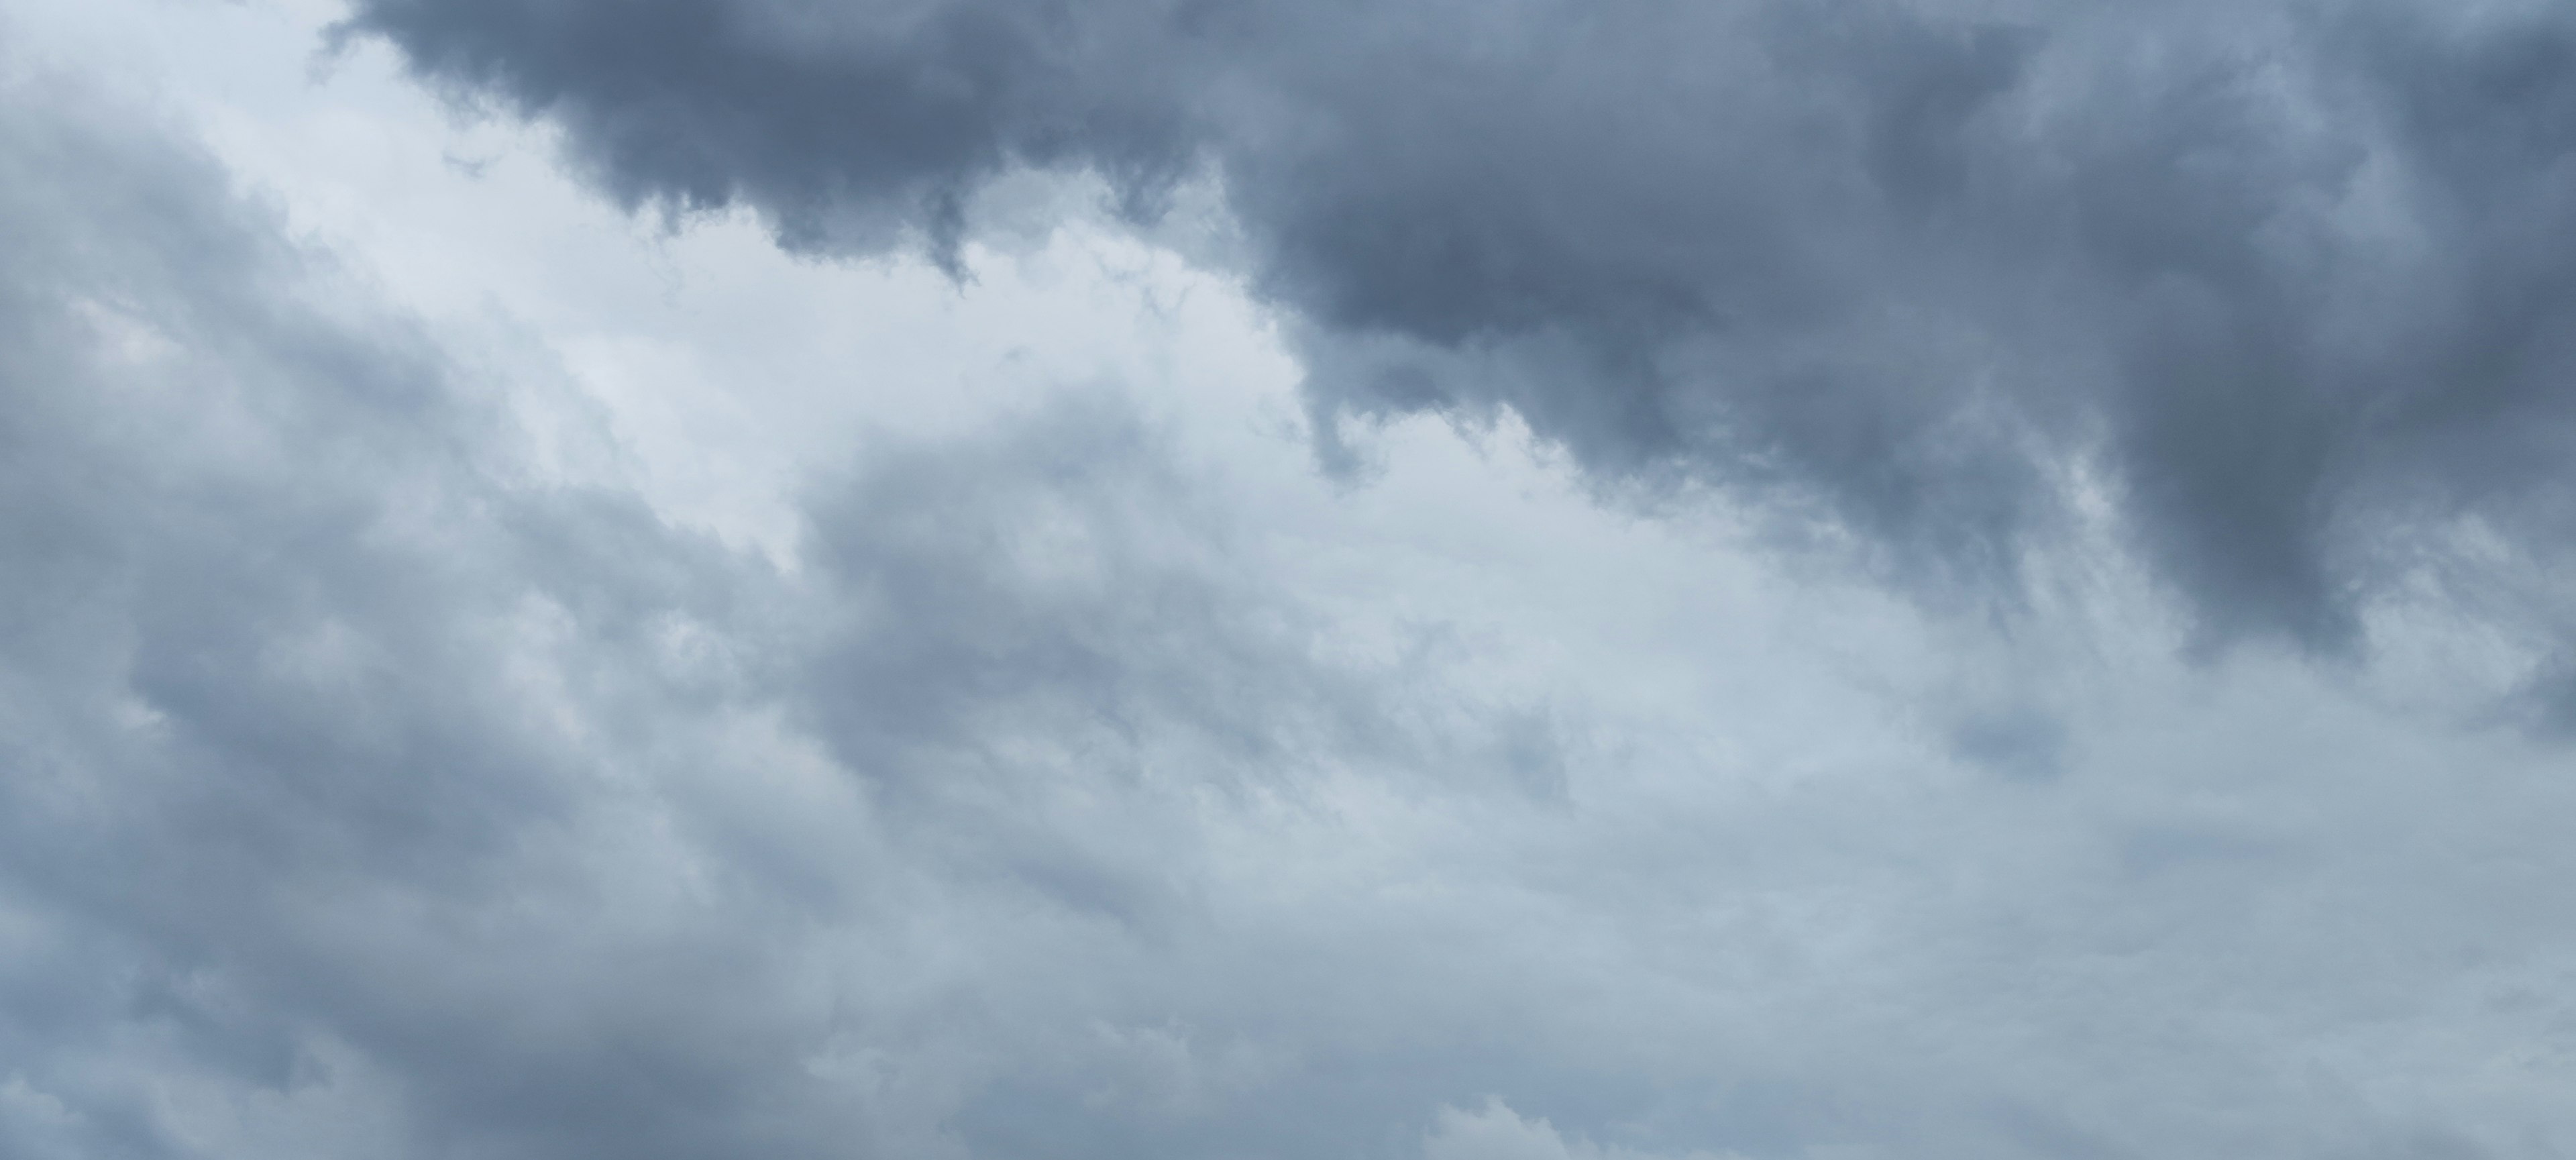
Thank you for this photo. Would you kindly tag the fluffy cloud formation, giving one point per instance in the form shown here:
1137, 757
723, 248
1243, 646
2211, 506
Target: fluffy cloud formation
2284, 286
1089, 780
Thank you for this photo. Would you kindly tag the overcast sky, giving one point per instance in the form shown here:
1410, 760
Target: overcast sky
1287, 579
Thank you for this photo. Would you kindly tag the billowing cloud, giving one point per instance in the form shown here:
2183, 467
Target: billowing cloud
1084, 777
2282, 285
372, 792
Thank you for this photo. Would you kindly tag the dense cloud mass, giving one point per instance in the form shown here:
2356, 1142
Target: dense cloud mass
2286, 285
1079, 783
369, 797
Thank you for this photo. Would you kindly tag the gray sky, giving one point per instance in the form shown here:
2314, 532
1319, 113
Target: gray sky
1166, 578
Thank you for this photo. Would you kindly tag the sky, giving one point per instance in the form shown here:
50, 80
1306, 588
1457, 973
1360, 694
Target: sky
1267, 580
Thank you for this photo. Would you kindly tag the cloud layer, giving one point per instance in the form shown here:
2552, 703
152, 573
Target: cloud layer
2281, 284
1086, 778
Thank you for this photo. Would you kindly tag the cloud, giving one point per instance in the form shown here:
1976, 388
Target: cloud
373, 792
369, 789
2283, 284
1499, 1133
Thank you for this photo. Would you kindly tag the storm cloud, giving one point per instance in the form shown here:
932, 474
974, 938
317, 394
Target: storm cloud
2284, 287
399, 761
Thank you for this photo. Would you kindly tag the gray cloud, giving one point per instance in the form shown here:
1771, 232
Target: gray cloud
2285, 283
358, 773
364, 793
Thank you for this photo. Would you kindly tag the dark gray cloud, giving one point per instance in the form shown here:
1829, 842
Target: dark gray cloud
2286, 284
367, 791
